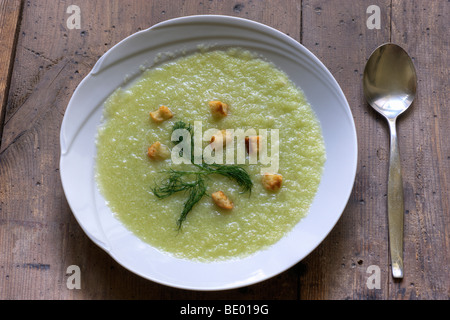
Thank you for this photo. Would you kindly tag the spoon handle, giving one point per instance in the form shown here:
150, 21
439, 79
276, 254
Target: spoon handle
395, 204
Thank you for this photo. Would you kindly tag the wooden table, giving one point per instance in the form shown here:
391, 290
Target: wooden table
44, 55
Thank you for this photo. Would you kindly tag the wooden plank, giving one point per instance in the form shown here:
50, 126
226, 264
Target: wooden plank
39, 238
336, 32
9, 25
420, 28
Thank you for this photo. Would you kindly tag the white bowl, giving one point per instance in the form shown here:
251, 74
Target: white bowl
185, 34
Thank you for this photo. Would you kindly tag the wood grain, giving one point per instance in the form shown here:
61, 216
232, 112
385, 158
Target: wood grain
43, 61
9, 26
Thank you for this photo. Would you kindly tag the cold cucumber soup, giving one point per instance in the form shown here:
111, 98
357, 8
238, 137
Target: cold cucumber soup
218, 211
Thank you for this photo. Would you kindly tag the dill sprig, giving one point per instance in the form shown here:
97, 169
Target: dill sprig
195, 187
196, 192
233, 172
173, 184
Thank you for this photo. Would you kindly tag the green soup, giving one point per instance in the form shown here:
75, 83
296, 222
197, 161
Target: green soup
260, 96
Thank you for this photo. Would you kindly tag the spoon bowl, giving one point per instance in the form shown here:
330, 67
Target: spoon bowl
390, 84
390, 80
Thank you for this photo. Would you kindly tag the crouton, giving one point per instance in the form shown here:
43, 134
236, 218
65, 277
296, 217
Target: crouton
252, 144
163, 113
222, 135
158, 151
218, 109
221, 200
271, 181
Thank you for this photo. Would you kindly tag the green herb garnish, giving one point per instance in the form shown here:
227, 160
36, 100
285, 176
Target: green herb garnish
193, 182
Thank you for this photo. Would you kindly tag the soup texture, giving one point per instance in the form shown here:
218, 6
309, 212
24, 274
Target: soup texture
259, 96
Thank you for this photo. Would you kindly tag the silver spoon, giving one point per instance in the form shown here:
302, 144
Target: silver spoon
390, 83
